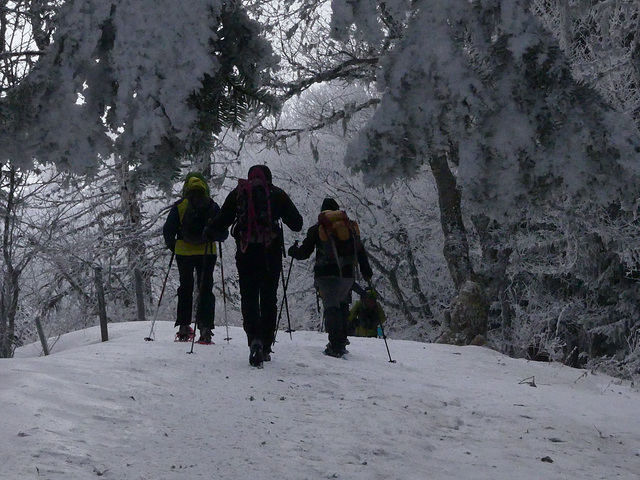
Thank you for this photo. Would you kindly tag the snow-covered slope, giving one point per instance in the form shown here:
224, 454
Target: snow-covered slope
130, 409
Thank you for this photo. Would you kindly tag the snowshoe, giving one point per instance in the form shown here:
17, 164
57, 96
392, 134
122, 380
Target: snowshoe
185, 334
256, 357
205, 336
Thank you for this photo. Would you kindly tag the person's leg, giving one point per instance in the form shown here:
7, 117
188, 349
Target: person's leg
344, 310
186, 267
334, 292
333, 325
205, 315
269, 301
248, 279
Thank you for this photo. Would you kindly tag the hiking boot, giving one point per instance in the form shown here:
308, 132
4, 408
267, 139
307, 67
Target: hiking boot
256, 356
185, 333
335, 350
205, 335
266, 356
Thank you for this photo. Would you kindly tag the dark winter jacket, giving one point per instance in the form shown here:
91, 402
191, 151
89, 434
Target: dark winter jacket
325, 265
282, 208
172, 232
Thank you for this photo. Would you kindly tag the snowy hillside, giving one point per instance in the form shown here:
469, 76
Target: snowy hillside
130, 409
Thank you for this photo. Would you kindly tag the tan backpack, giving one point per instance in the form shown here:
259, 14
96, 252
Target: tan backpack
340, 235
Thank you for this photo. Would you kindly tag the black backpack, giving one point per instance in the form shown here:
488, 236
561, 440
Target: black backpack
194, 220
369, 317
254, 218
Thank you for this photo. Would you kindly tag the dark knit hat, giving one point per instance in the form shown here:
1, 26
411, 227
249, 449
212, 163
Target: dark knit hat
265, 170
329, 204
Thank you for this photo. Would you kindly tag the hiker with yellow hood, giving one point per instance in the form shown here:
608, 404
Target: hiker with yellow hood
183, 235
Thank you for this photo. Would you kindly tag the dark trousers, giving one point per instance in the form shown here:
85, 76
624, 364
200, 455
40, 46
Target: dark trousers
203, 268
335, 293
258, 274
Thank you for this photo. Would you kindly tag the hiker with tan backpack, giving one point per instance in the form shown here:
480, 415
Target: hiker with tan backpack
339, 253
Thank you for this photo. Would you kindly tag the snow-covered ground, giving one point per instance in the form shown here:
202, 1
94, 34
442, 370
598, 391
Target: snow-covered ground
130, 409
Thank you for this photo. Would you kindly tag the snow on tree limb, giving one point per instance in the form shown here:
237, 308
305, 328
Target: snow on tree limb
486, 84
127, 77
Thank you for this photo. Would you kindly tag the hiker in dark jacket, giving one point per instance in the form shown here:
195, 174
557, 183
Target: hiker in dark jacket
259, 262
334, 279
183, 235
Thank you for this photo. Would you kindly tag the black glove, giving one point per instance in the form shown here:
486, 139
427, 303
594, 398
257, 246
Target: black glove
293, 250
172, 246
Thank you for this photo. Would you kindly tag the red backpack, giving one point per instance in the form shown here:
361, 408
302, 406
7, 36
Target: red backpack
254, 220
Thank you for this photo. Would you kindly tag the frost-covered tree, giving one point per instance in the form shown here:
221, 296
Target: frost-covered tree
602, 41
482, 93
137, 85
485, 84
24, 29
147, 81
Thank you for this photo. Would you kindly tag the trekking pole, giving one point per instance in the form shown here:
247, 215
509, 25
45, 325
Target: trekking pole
286, 301
384, 335
224, 293
199, 297
286, 286
151, 336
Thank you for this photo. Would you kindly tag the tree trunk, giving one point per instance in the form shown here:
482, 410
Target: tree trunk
136, 247
102, 307
456, 247
8, 309
415, 276
467, 320
42, 336
10, 289
496, 253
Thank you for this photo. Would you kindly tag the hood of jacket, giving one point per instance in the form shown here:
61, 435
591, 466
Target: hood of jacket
195, 182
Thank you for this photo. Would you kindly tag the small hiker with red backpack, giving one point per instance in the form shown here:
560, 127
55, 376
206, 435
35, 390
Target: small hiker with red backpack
253, 210
339, 252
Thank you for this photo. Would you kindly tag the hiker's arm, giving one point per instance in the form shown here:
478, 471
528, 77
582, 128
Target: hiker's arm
171, 227
381, 315
308, 245
227, 214
290, 214
363, 261
212, 234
